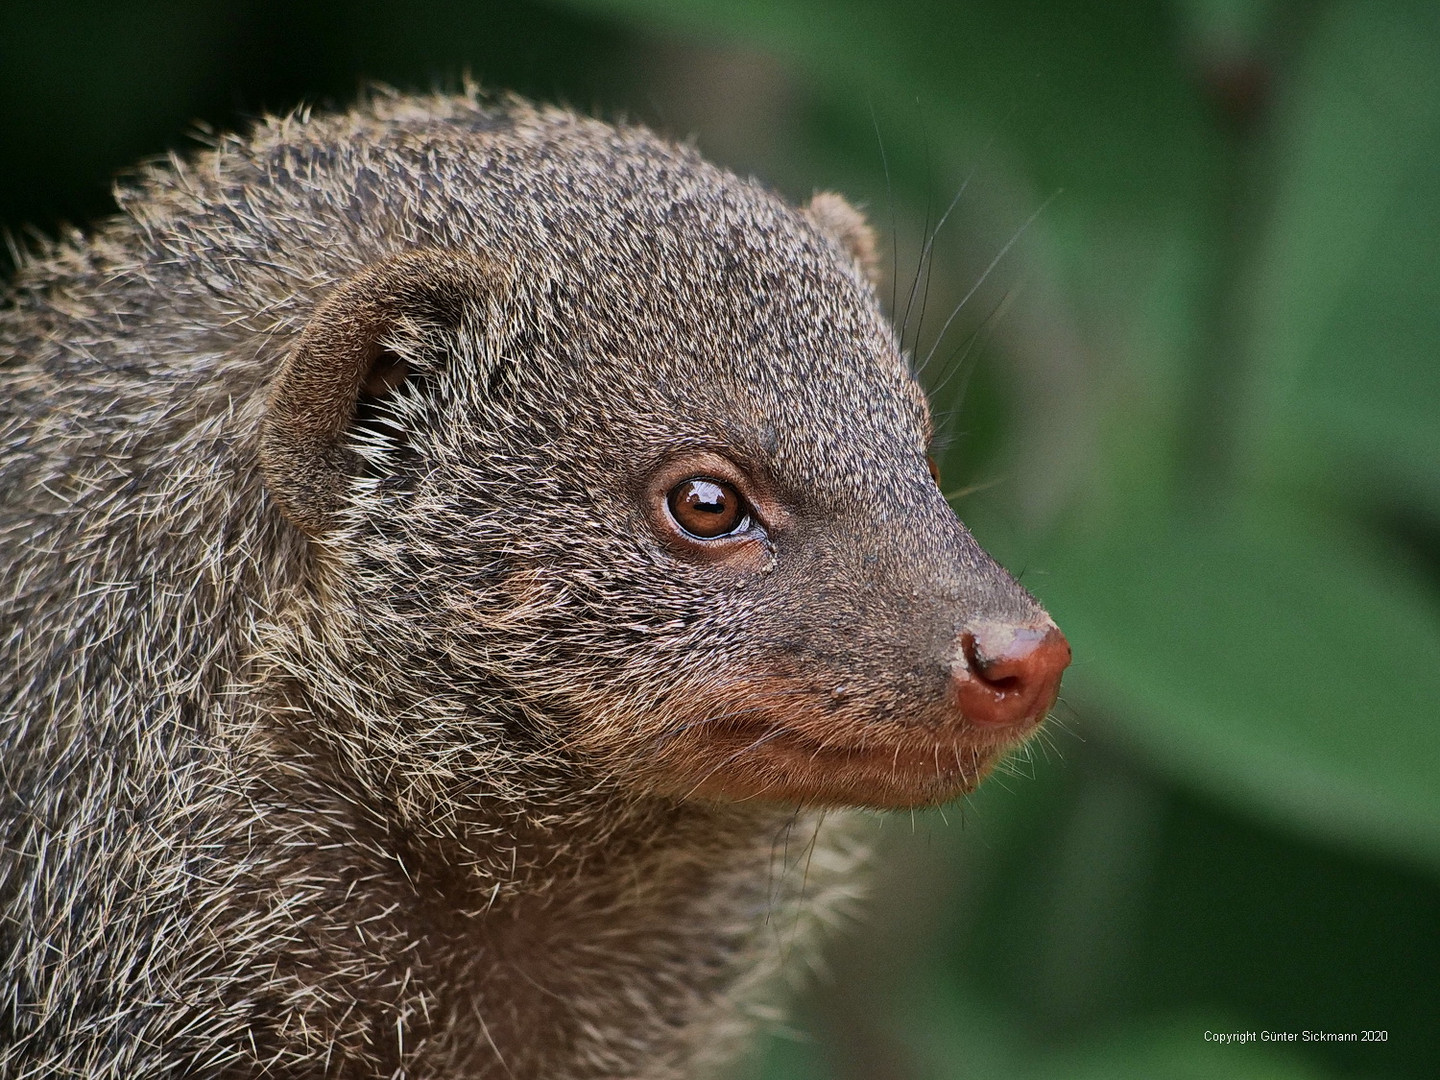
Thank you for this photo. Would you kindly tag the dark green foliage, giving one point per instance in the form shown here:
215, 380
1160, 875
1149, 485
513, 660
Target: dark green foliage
1206, 377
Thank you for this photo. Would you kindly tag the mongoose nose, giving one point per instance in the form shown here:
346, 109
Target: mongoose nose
1010, 674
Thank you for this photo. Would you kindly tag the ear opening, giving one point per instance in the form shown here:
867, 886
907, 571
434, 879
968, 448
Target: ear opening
386, 371
346, 369
844, 224
375, 416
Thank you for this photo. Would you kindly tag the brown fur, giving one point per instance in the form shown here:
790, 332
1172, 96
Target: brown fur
361, 717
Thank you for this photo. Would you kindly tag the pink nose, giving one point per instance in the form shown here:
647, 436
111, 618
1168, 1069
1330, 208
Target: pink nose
1011, 674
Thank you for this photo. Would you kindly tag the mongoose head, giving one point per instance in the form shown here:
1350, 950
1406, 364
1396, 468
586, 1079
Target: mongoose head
607, 434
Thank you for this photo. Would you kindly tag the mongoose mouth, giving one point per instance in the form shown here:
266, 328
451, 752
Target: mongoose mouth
803, 751
782, 766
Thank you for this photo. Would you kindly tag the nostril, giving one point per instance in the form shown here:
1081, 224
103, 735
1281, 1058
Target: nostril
1010, 674
989, 669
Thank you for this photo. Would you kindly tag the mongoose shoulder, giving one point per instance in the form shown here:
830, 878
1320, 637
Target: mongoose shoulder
446, 548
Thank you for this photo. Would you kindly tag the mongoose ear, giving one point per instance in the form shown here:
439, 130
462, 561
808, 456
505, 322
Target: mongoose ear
342, 363
847, 226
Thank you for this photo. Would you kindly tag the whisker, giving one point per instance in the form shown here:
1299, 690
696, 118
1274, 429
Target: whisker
973, 489
924, 231
927, 253
993, 263
945, 432
781, 840
804, 884
889, 194
775, 733
955, 362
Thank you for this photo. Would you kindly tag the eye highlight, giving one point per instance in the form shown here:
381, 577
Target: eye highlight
707, 508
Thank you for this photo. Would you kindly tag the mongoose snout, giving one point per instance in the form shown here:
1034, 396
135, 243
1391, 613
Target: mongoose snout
906, 710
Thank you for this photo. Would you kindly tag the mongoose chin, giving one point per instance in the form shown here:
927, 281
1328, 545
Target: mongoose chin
448, 549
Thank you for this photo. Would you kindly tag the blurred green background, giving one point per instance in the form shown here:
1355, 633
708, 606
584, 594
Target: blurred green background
1183, 324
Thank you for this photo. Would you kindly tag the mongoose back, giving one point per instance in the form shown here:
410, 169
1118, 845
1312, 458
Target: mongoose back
450, 551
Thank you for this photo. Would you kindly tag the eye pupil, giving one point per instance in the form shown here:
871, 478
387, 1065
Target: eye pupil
705, 497
706, 508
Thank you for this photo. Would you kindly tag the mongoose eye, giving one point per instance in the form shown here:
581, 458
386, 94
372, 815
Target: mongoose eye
707, 508
934, 467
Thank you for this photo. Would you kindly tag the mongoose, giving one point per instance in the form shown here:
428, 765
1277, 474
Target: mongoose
448, 549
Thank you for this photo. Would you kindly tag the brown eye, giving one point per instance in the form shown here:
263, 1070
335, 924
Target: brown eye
707, 508
934, 467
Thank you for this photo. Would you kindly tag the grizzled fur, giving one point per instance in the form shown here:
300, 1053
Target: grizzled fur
334, 743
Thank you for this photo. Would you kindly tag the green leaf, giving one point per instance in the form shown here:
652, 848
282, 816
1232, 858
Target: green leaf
1347, 310
1271, 663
